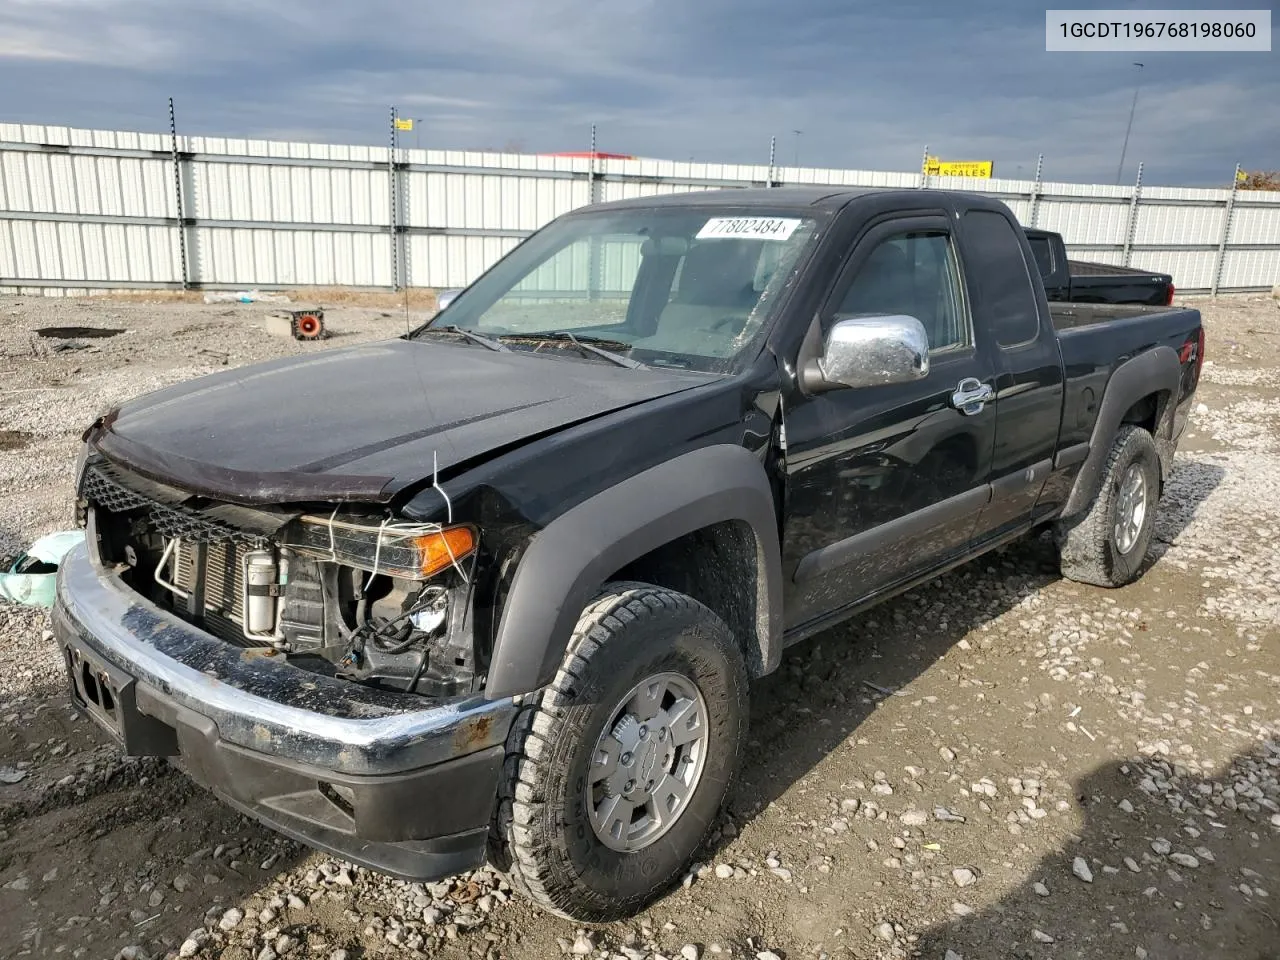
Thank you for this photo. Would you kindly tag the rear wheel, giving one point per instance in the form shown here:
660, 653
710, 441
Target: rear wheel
615, 772
1108, 544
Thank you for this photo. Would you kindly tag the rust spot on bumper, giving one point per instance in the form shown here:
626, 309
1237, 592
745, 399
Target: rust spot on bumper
258, 653
474, 734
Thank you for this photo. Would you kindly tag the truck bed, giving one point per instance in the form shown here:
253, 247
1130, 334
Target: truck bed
1090, 268
1068, 316
1087, 281
1095, 339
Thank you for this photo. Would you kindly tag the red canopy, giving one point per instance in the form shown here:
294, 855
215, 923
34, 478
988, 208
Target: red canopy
598, 155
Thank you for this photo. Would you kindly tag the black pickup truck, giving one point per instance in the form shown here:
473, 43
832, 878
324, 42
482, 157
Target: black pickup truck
1082, 281
498, 587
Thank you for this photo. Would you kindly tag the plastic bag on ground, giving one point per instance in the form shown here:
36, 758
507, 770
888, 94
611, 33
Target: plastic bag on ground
32, 577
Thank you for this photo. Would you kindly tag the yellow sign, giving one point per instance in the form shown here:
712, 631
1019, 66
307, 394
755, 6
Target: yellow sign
1241, 176
404, 123
934, 167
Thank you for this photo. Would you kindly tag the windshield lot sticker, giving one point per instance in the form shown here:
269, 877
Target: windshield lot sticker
748, 228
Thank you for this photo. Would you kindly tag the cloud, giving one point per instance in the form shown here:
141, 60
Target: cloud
30, 32
868, 86
20, 43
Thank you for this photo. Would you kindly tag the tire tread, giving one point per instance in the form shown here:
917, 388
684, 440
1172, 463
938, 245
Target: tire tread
512, 840
1084, 543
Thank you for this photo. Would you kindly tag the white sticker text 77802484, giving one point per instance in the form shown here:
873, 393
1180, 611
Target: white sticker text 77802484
748, 228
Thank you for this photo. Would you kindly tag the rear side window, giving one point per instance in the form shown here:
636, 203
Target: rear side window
1043, 252
1006, 297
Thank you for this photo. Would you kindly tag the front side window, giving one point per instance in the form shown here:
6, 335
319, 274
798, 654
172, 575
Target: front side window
689, 288
912, 274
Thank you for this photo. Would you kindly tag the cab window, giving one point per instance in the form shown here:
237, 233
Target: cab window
915, 274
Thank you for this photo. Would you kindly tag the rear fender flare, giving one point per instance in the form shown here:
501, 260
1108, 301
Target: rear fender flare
1154, 371
568, 561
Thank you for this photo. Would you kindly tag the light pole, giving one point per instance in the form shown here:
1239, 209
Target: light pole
795, 157
1134, 106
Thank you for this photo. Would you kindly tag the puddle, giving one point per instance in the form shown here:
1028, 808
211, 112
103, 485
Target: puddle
14, 439
79, 333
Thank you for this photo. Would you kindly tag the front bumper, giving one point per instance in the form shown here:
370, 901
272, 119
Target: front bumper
366, 774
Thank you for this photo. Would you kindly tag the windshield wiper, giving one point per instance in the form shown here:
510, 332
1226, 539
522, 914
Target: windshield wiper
469, 335
582, 344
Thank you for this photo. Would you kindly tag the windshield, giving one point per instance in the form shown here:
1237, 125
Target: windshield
691, 288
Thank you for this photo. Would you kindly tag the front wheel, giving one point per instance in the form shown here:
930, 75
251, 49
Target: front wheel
1108, 544
615, 772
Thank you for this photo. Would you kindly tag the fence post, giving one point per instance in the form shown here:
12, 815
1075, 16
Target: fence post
177, 197
773, 152
924, 162
1132, 228
392, 200
594, 260
591, 169
1035, 192
404, 185
1226, 232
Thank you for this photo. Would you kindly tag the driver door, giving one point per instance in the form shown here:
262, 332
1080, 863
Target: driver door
886, 482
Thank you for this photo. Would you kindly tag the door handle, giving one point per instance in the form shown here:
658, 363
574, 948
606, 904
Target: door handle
971, 396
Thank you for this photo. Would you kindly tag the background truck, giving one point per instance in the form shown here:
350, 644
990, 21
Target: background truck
1081, 281
498, 587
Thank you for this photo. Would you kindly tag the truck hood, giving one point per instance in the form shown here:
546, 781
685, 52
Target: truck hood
364, 422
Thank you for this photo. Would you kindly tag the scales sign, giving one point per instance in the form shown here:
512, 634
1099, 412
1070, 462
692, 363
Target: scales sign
933, 167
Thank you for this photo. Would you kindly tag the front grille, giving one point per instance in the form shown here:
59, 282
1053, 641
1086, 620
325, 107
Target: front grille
188, 525
103, 488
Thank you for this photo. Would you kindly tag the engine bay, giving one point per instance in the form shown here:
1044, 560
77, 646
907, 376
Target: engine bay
360, 597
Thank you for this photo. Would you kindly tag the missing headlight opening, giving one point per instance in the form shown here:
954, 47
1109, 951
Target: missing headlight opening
371, 599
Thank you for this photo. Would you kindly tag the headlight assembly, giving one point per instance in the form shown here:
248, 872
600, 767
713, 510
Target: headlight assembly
416, 551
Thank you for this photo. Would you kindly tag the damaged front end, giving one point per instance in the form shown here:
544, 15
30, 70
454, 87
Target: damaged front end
334, 591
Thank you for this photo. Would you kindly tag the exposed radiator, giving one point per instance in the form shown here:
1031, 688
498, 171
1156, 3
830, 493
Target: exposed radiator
223, 587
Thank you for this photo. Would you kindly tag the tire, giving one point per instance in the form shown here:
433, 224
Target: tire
543, 836
1089, 548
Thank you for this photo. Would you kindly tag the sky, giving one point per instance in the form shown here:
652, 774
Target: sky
869, 85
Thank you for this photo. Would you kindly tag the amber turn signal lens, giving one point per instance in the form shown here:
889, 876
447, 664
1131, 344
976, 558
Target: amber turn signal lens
436, 551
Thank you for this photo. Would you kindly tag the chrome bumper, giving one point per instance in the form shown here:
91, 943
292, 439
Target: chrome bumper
262, 703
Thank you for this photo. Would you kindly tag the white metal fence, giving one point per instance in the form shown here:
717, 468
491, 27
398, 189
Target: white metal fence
92, 209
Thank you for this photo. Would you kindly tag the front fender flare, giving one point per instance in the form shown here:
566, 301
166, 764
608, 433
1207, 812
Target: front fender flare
572, 557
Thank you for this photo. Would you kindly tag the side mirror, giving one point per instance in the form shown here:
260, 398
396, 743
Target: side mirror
445, 297
870, 352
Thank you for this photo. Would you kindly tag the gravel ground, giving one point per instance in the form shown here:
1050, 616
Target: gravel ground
998, 764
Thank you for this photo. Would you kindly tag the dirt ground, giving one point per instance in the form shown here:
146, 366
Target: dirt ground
998, 764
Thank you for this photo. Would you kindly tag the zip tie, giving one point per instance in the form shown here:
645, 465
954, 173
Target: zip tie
333, 545
377, 555
401, 530
435, 482
454, 560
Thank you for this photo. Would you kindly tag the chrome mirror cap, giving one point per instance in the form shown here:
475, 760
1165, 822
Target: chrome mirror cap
446, 297
874, 351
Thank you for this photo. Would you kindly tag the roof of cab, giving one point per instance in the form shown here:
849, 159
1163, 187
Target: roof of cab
830, 198
827, 199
